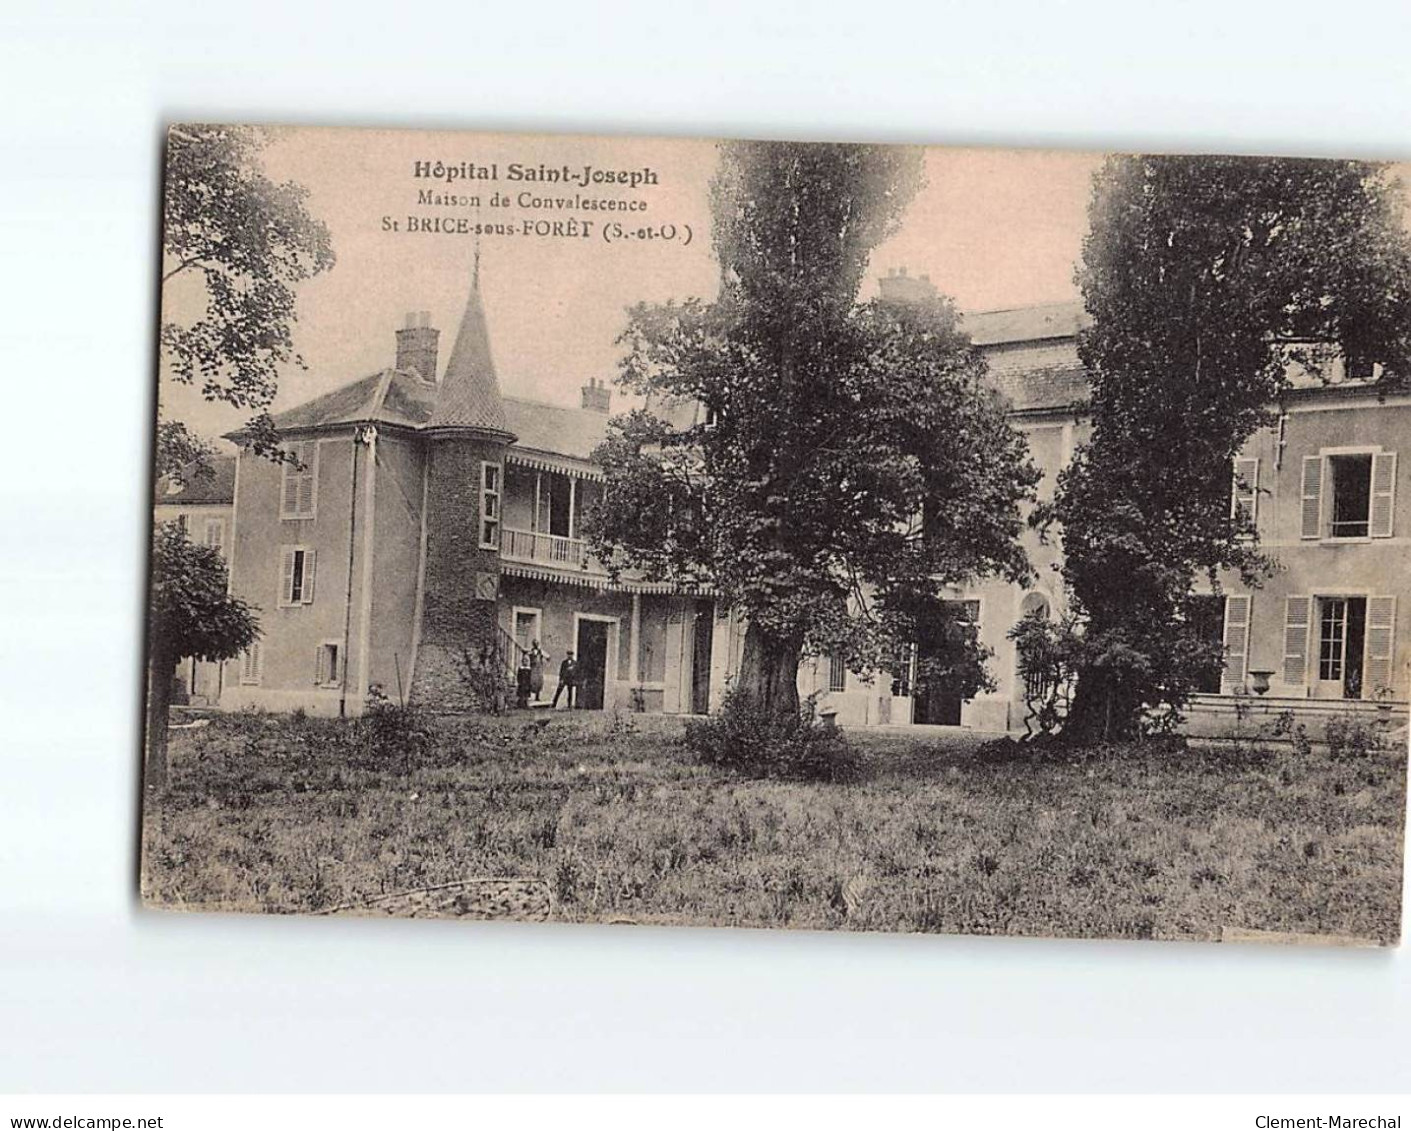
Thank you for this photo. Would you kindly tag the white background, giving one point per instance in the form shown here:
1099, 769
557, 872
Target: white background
97, 995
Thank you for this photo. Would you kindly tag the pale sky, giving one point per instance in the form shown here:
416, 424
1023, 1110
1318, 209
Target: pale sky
992, 228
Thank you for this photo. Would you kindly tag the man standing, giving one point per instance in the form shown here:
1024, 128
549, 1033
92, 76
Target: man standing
568, 679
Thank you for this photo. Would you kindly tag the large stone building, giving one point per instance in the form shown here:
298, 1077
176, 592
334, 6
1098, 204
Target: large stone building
1331, 629
430, 524
430, 528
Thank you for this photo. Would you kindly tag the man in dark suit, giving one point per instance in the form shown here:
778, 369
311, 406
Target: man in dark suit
568, 680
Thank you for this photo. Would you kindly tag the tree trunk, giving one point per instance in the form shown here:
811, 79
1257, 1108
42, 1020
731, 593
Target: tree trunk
769, 671
161, 670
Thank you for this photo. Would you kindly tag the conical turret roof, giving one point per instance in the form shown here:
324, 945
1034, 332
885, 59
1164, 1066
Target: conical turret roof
469, 396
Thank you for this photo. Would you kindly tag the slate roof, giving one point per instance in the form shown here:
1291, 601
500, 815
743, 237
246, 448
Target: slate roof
470, 391
344, 405
1032, 363
187, 489
406, 400
410, 402
1029, 390
1024, 323
572, 432
469, 396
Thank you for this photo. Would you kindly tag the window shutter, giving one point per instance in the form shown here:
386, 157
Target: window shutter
320, 663
286, 576
308, 577
1312, 494
1236, 640
1245, 495
1298, 614
289, 503
1383, 494
1381, 633
306, 479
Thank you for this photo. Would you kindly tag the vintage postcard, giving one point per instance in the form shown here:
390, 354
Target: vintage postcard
769, 534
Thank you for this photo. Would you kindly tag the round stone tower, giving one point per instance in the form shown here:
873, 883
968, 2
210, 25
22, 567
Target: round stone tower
467, 437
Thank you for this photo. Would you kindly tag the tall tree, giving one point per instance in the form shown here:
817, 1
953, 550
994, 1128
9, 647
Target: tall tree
1203, 275
234, 243
847, 463
246, 241
190, 613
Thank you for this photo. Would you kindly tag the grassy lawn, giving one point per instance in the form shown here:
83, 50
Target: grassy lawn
281, 814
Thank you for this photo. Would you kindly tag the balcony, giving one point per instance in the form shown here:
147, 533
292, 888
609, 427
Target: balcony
547, 549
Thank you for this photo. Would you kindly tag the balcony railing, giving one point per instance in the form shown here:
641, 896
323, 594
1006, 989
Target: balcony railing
549, 549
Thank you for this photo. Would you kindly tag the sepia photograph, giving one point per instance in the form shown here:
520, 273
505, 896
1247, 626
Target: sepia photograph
829, 536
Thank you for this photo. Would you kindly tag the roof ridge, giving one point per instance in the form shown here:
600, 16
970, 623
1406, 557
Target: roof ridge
1025, 306
546, 404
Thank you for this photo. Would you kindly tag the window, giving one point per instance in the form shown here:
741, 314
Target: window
296, 573
1244, 496
1363, 369
215, 532
526, 627
965, 612
1351, 480
490, 474
903, 665
1036, 682
1360, 489
1343, 646
297, 494
1205, 613
837, 673
1332, 638
326, 670
251, 664
1342, 639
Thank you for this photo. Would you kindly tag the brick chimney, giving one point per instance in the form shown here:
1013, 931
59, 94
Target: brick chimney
416, 346
597, 396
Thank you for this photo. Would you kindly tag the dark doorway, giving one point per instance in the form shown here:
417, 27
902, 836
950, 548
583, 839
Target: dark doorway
592, 663
556, 487
700, 657
1207, 618
937, 705
1356, 644
937, 700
